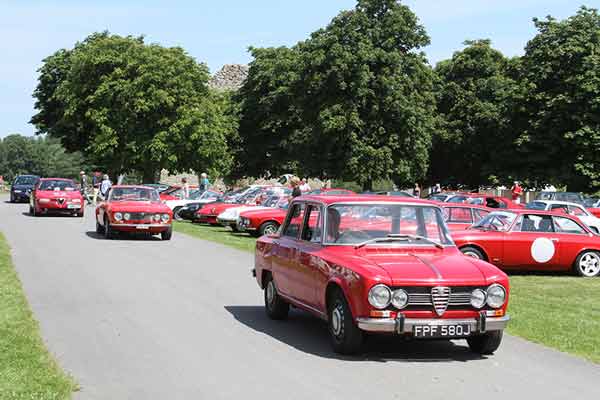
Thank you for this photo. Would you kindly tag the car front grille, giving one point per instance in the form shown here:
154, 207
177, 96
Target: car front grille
427, 299
140, 216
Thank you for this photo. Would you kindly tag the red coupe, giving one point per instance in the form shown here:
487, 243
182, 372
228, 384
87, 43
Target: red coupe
532, 240
56, 195
483, 200
263, 221
134, 209
380, 264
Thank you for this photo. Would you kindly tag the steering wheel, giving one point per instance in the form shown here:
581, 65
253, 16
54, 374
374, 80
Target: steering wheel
353, 237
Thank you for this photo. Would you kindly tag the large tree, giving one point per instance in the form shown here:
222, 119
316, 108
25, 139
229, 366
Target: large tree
475, 93
561, 103
119, 100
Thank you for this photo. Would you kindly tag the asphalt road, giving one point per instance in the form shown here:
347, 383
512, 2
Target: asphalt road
139, 319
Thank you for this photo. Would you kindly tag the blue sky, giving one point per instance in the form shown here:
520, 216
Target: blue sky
219, 32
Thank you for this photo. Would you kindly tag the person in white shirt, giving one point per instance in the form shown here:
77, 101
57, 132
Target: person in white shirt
185, 188
105, 187
304, 186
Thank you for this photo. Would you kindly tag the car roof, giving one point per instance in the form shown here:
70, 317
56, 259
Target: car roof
463, 205
363, 198
132, 186
558, 202
56, 179
32, 176
520, 211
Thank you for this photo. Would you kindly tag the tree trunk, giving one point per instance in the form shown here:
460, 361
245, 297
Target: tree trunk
148, 175
368, 185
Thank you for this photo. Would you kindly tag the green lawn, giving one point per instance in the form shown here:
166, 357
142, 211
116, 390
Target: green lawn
27, 370
562, 312
557, 311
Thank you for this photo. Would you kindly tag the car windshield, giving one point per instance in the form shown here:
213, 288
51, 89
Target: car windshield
496, 221
25, 180
590, 202
457, 199
275, 201
438, 197
362, 224
208, 194
59, 185
133, 194
536, 205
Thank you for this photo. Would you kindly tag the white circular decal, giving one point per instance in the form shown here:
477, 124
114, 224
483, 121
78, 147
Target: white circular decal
542, 250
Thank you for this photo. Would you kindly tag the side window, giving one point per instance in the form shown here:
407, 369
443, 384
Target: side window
460, 214
537, 223
312, 231
566, 225
479, 214
560, 208
502, 204
577, 211
294, 221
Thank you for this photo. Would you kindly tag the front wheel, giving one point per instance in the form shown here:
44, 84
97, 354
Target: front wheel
166, 235
346, 337
275, 306
472, 252
176, 215
268, 228
588, 264
487, 343
108, 232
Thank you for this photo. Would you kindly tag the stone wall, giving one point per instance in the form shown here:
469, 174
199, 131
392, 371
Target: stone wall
230, 77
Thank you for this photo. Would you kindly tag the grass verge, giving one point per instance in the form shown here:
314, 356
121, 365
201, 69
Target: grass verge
561, 312
27, 370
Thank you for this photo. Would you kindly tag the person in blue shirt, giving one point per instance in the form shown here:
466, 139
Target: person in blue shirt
204, 184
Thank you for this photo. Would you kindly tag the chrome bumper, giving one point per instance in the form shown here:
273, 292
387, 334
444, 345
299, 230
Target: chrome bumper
403, 325
145, 226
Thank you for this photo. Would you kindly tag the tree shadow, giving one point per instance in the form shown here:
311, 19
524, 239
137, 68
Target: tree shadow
310, 335
125, 237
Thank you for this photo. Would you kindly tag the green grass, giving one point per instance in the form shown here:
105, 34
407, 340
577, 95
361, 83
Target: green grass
27, 370
218, 234
562, 312
557, 311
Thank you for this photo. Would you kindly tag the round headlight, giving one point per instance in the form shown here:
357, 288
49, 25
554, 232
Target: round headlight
399, 299
127, 216
165, 218
380, 296
478, 298
118, 216
496, 296
157, 217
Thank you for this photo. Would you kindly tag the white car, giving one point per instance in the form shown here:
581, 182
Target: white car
195, 197
231, 216
568, 208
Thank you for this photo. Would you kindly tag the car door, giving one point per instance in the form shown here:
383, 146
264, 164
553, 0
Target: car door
570, 244
285, 252
532, 244
307, 272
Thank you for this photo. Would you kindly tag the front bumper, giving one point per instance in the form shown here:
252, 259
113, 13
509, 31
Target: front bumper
227, 221
21, 196
402, 325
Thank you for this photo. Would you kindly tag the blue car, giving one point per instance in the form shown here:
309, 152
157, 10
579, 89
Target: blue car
21, 188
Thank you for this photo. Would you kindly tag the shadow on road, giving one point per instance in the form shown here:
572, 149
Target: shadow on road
68, 216
124, 236
309, 334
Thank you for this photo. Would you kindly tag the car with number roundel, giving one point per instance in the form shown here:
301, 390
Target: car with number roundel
134, 209
532, 240
56, 196
369, 264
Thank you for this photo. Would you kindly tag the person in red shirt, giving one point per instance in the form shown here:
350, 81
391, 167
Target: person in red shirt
517, 191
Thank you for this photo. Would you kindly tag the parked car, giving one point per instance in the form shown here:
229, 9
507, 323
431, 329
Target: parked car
231, 216
21, 188
380, 265
134, 209
567, 208
570, 197
461, 216
196, 197
530, 240
174, 193
330, 192
483, 200
260, 222
441, 197
160, 187
56, 196
248, 196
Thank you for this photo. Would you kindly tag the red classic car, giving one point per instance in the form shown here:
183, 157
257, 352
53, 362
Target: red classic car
483, 200
380, 264
56, 195
532, 240
263, 221
209, 214
134, 209
460, 216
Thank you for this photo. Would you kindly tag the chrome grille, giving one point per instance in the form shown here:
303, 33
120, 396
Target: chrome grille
440, 296
140, 216
424, 299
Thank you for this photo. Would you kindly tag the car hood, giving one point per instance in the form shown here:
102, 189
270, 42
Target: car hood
263, 213
431, 267
234, 212
23, 187
139, 206
54, 194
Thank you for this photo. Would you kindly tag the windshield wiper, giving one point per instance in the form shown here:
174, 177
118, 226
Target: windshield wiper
398, 237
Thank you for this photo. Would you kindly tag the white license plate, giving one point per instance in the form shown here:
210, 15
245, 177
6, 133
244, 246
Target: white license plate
142, 227
442, 331
73, 206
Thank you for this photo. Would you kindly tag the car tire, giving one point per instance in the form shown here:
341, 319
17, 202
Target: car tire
166, 235
346, 337
487, 343
34, 211
275, 306
587, 264
99, 228
176, 216
268, 228
108, 232
473, 252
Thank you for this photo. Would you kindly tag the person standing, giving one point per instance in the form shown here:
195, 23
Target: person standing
204, 183
417, 191
295, 182
304, 186
96, 186
517, 191
105, 187
185, 189
84, 187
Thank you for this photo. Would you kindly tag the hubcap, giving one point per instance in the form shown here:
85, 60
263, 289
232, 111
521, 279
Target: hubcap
336, 321
270, 230
270, 292
471, 254
590, 264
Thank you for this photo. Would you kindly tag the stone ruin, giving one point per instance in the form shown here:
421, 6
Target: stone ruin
230, 77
